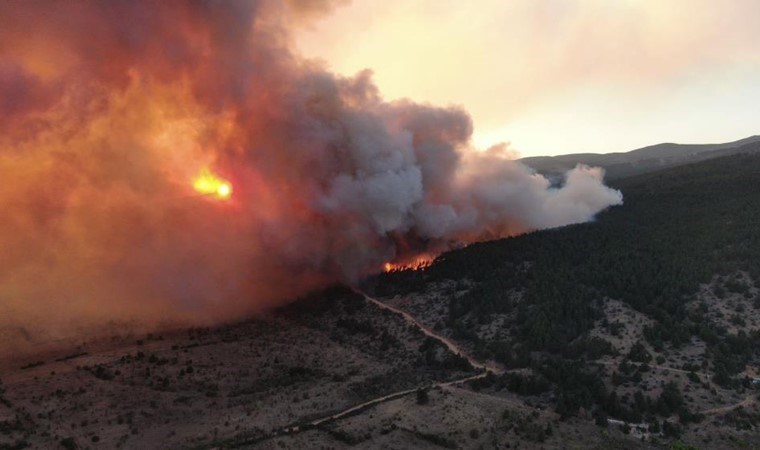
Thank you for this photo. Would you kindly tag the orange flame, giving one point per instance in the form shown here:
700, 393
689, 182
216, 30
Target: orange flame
420, 262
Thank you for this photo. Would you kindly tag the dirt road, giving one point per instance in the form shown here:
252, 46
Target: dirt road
485, 367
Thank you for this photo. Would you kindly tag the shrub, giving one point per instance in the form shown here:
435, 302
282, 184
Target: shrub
422, 396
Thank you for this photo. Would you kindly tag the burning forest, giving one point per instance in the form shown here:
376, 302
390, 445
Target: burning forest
178, 163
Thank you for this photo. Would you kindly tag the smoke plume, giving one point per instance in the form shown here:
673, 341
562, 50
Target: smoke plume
109, 110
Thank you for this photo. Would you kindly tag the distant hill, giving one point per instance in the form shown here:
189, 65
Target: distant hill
650, 313
643, 160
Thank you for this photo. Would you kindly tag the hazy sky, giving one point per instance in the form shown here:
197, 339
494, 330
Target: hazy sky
561, 76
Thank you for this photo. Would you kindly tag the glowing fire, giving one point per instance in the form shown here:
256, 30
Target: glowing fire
207, 183
418, 263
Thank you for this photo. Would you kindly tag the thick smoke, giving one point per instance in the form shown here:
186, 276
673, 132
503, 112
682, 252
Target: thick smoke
109, 109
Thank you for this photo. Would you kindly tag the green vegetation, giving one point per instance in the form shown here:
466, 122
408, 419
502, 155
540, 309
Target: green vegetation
639, 353
677, 229
527, 426
434, 439
422, 396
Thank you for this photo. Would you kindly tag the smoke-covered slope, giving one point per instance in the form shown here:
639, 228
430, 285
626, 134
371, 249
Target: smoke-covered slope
660, 291
195, 169
643, 160
634, 331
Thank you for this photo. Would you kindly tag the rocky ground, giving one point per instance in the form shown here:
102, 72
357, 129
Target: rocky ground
250, 384
205, 387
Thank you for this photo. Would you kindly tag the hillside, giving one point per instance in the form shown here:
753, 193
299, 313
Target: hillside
643, 160
638, 330
606, 315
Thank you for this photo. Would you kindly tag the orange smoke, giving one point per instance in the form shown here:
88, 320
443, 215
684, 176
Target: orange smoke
109, 111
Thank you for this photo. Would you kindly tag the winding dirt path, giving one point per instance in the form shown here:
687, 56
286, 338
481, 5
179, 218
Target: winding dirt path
451, 345
485, 367
654, 366
748, 400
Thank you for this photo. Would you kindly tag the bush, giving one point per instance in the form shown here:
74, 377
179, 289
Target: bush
670, 429
670, 400
422, 396
600, 418
639, 353
69, 443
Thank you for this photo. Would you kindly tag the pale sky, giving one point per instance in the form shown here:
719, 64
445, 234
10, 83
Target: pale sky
560, 76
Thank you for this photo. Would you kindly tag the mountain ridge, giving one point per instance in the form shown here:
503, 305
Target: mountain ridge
642, 160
